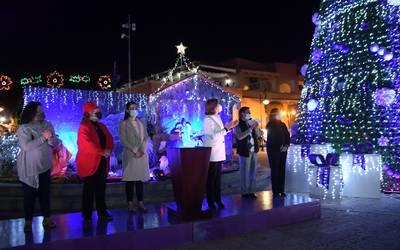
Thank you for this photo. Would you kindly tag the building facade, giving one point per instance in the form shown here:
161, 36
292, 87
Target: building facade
261, 87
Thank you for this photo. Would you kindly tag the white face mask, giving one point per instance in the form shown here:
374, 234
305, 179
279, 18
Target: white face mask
219, 108
247, 117
133, 113
278, 117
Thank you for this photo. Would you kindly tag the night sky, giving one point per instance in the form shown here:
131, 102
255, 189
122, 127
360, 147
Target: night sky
37, 37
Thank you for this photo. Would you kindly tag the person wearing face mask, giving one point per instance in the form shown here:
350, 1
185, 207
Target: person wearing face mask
214, 137
278, 140
36, 138
133, 136
95, 144
247, 134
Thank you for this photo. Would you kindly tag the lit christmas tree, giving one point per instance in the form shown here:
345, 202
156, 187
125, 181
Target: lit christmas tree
351, 95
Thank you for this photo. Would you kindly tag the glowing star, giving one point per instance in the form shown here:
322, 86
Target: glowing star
383, 141
181, 49
385, 97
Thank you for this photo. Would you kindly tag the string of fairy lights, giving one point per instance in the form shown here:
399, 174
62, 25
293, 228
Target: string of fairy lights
55, 79
182, 68
351, 91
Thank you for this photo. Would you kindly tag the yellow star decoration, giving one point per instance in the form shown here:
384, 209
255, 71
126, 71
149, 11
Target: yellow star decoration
181, 49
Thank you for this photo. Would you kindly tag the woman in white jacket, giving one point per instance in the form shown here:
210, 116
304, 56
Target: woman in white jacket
133, 136
214, 137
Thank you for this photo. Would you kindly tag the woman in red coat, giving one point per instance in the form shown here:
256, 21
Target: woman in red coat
93, 161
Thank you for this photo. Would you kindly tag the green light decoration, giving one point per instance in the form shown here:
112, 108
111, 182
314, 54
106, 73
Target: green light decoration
31, 80
79, 78
354, 75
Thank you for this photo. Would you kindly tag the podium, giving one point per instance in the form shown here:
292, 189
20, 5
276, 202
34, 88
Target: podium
189, 169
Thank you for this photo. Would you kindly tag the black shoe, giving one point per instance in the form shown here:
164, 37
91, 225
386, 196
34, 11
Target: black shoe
276, 195
87, 221
253, 196
142, 209
211, 206
105, 216
220, 205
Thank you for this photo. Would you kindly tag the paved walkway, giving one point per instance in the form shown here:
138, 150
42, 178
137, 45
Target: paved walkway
353, 223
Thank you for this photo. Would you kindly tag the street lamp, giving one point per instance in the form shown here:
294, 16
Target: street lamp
130, 27
266, 102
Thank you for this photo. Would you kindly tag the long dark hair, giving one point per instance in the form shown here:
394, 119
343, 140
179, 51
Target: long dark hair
29, 112
127, 115
211, 104
85, 117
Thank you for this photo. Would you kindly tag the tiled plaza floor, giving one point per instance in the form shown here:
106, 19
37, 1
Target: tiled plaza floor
352, 223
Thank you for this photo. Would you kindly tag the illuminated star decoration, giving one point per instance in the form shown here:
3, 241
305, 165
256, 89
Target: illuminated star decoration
383, 141
181, 49
55, 79
5, 82
104, 82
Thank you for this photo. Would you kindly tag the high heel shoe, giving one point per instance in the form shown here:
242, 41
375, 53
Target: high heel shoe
48, 223
105, 216
220, 205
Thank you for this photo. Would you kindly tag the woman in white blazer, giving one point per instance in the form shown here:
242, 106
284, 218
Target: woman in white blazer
214, 137
133, 136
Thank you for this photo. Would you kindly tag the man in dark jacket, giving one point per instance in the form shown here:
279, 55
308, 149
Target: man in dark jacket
247, 134
278, 140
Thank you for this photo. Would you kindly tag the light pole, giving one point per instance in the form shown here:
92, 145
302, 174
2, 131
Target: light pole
130, 27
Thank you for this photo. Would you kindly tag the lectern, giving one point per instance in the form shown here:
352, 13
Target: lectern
189, 169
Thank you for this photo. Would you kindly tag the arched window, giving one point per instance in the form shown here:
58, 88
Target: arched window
285, 88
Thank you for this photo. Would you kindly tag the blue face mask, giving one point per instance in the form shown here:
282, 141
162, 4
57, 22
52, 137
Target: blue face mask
133, 113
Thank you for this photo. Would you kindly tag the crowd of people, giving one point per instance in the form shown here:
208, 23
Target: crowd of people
95, 144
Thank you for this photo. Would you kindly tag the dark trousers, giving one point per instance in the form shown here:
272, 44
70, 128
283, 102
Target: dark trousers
43, 192
277, 163
214, 183
129, 186
94, 187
